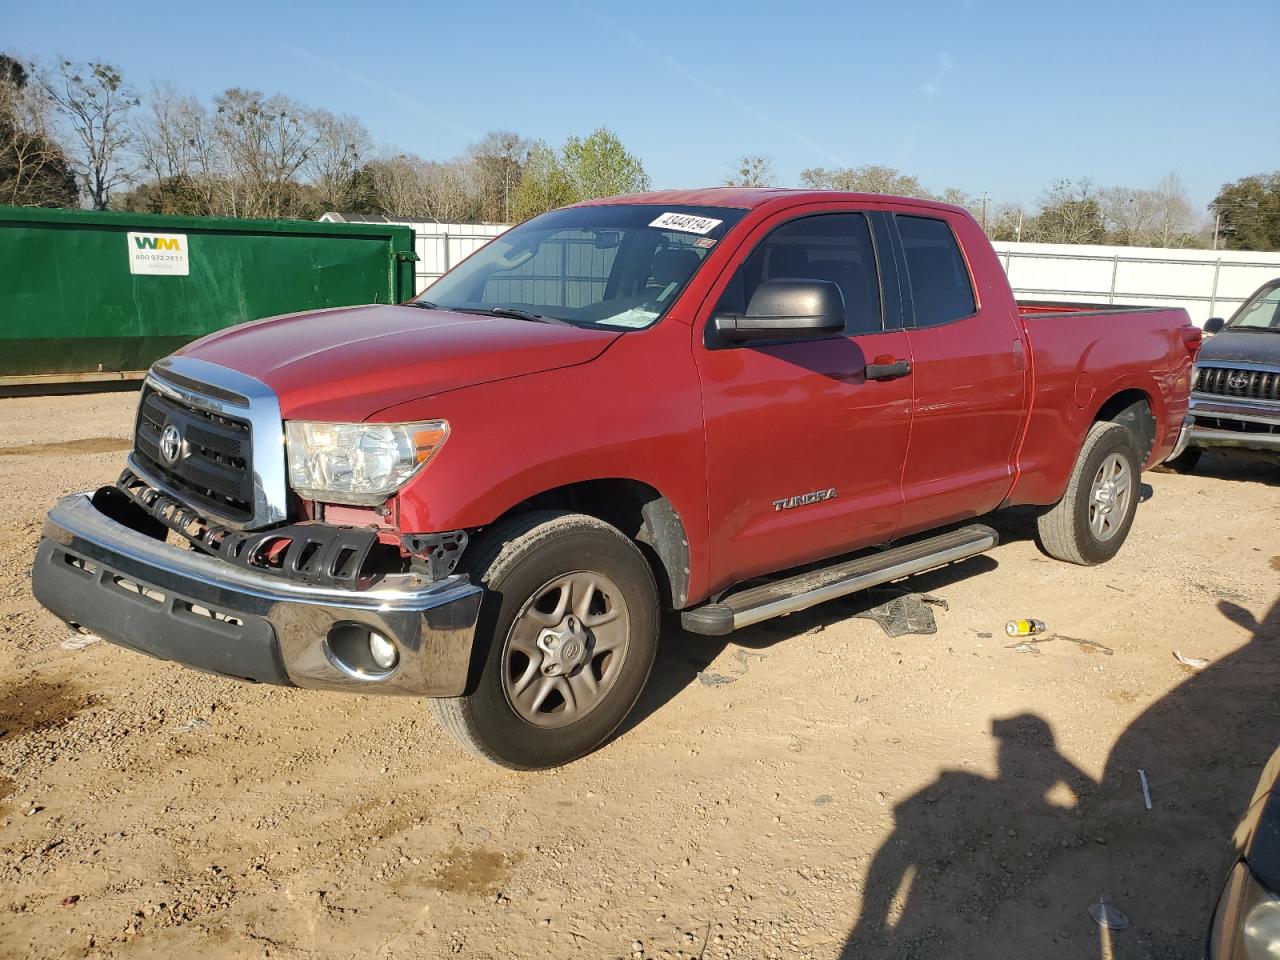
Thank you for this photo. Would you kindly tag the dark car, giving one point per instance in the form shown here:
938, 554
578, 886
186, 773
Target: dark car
1235, 391
1246, 919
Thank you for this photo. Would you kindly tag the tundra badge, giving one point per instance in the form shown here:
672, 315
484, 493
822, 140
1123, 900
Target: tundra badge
804, 499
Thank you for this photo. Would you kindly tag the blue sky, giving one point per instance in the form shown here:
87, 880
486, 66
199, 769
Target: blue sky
1003, 97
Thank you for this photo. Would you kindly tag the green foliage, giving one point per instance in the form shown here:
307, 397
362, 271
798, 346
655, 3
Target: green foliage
543, 185
600, 166
1250, 212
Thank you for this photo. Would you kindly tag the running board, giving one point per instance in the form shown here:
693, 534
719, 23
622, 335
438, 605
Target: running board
781, 597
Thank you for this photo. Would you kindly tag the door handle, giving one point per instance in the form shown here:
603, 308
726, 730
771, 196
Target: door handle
887, 368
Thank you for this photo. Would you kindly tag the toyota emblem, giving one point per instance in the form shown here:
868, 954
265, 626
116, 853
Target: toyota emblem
170, 444
1239, 381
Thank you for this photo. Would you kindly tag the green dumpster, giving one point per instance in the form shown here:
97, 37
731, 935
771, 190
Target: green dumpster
88, 296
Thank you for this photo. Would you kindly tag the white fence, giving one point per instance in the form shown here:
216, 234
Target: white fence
1208, 283
439, 246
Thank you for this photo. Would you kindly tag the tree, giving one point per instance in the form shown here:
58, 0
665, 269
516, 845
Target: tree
544, 185
175, 142
340, 145
751, 170
95, 103
1007, 222
265, 142
34, 170
600, 166
1249, 210
1159, 217
497, 162
871, 178
1069, 213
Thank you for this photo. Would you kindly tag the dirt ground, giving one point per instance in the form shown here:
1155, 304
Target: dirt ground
846, 795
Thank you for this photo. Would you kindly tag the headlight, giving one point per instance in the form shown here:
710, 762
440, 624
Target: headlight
359, 463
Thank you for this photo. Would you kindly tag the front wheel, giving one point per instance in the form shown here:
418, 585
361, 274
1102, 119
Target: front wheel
569, 624
1091, 521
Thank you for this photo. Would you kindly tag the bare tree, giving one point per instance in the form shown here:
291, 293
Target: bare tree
175, 142
871, 178
751, 170
266, 142
341, 145
1159, 217
95, 103
34, 170
497, 162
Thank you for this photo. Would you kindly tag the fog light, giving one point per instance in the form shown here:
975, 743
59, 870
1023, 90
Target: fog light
383, 651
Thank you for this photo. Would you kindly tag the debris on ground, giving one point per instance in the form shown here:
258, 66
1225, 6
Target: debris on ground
1195, 663
742, 656
1032, 646
1102, 648
823, 800
1146, 790
904, 612
1028, 646
78, 641
713, 679
1108, 915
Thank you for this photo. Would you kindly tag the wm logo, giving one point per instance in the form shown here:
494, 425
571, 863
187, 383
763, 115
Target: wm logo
157, 243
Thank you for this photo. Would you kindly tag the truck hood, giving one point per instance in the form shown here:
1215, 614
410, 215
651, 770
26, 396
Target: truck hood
1252, 347
349, 363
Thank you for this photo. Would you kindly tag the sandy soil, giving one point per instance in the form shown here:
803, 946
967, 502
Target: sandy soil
846, 795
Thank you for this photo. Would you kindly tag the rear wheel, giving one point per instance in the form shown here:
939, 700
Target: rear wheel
570, 627
1092, 520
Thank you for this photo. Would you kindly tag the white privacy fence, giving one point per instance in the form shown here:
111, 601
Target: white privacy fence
1208, 283
439, 246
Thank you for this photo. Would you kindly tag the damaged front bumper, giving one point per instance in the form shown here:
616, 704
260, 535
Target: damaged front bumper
99, 574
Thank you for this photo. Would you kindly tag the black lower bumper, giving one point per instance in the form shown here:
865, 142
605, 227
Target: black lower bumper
132, 589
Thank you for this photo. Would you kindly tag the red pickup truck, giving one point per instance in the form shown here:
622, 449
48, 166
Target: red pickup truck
702, 401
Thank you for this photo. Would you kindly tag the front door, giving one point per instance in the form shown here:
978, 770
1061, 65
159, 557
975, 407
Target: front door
804, 452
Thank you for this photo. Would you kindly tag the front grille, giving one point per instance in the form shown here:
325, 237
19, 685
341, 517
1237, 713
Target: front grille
1237, 382
215, 467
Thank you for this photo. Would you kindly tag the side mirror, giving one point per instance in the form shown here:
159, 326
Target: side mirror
786, 309
1214, 324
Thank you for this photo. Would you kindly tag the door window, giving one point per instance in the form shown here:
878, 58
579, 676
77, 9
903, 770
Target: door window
835, 247
940, 285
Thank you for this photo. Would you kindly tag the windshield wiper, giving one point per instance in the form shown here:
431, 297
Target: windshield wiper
424, 304
513, 312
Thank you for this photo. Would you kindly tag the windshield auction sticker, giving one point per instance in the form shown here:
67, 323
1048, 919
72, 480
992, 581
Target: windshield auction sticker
162, 254
686, 223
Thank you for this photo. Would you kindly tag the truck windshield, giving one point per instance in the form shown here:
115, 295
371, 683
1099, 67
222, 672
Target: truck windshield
617, 266
1261, 312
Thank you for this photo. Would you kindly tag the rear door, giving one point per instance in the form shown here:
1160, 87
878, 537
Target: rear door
969, 372
804, 452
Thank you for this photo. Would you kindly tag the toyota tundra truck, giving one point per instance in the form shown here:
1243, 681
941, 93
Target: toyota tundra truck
729, 404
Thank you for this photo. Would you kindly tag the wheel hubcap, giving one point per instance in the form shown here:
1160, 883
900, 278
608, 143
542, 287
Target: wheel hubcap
1109, 497
565, 649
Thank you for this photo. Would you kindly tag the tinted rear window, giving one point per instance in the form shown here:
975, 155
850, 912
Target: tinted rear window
940, 287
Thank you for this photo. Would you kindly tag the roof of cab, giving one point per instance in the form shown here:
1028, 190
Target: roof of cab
751, 197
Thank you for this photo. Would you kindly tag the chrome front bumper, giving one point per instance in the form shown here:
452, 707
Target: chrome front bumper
1258, 423
180, 605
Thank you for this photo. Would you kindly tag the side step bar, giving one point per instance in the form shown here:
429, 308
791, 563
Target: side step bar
781, 597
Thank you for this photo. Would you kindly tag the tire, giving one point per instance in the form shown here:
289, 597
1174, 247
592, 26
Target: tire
1069, 530
557, 577
1185, 462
